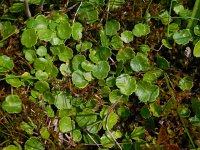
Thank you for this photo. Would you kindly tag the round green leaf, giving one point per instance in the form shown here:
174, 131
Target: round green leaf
115, 95
196, 51
41, 75
165, 17
152, 75
183, 37
140, 63
77, 29
146, 91
101, 70
126, 84
40, 63
64, 31
144, 48
87, 66
11, 147
13, 81
42, 86
62, 101
29, 38
12, 104
141, 30
44, 133
78, 79
162, 62
6, 63
110, 121
86, 117
116, 42
65, 53
83, 46
166, 44
138, 133
155, 109
77, 60
65, 124
111, 27
30, 55
197, 30
33, 143
45, 34
127, 36
123, 112
76, 135
41, 51
125, 54
145, 113
186, 83
65, 69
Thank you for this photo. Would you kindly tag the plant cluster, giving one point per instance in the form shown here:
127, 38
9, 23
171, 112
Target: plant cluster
96, 81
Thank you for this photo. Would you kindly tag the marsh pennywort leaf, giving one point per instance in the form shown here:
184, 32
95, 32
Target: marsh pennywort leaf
77, 60
155, 109
196, 106
33, 143
195, 120
50, 112
28, 127
86, 117
62, 101
165, 17
41, 51
182, 37
145, 113
104, 38
184, 111
144, 48
30, 55
125, 54
88, 13
141, 30
127, 36
12, 104
162, 62
140, 63
11, 147
138, 133
29, 38
45, 34
65, 53
76, 135
178, 8
116, 42
17, 8
152, 74
13, 81
64, 31
146, 91
166, 44
83, 46
7, 29
103, 52
88, 76
41, 86
197, 30
87, 66
41, 75
77, 29
196, 51
40, 63
78, 79
126, 84
55, 40
110, 81
65, 124
114, 4
123, 112
59, 17
101, 70
6, 64
116, 95
111, 27
65, 69
44, 133
40, 22
186, 83
105, 91
110, 121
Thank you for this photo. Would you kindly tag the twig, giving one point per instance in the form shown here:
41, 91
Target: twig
77, 11
28, 13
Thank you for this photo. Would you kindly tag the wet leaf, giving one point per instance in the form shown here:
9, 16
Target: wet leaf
14, 81
62, 101
166, 44
196, 106
7, 30
86, 117
46, 35
183, 37
126, 84
12, 104
64, 31
104, 39
114, 4
116, 95
184, 111
110, 81
197, 30
65, 69
138, 133
110, 121
140, 63
145, 113
141, 30
44, 133
162, 62
41, 51
101, 70
41, 75
11, 147
76, 135
196, 51
33, 143
78, 79
87, 66
146, 91
77, 60
123, 112
152, 75
42, 86
77, 29
186, 83
116, 42
83, 46
30, 55
111, 27
155, 109
65, 124
127, 36
165, 17
65, 53
125, 54
29, 38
